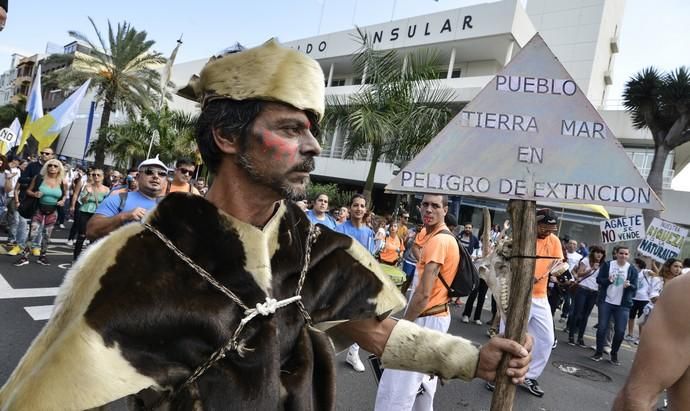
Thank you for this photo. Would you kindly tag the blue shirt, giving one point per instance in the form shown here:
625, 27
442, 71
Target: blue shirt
364, 234
328, 221
110, 206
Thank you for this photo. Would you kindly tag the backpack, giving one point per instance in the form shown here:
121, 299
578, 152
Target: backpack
466, 278
123, 201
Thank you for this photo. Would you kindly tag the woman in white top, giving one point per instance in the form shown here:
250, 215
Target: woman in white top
586, 293
648, 288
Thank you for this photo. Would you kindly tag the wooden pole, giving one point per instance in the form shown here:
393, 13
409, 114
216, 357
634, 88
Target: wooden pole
65, 140
523, 219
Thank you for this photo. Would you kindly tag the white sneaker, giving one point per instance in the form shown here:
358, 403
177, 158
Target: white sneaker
607, 350
465, 319
629, 338
70, 243
354, 361
62, 226
478, 322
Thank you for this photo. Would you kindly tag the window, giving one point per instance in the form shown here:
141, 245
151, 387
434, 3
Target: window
444, 74
337, 82
356, 81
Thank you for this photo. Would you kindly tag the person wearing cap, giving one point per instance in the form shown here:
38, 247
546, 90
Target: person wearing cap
118, 210
235, 300
540, 323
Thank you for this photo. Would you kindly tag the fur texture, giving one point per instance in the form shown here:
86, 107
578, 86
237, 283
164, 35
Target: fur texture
414, 348
67, 350
268, 72
152, 319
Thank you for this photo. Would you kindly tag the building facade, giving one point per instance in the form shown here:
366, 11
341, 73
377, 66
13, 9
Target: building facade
8, 79
474, 43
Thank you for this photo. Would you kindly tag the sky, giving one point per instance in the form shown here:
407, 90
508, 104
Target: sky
652, 33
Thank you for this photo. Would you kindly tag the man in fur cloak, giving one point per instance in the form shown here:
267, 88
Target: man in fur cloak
234, 301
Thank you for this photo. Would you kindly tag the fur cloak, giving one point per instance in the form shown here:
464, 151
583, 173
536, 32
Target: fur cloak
132, 317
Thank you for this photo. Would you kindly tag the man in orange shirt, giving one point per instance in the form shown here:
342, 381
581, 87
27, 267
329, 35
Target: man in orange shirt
540, 325
428, 307
184, 170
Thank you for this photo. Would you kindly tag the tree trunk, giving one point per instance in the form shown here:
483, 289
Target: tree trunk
369, 185
656, 179
522, 217
99, 154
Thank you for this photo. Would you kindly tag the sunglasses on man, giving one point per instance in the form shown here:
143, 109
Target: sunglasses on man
46, 153
152, 171
185, 171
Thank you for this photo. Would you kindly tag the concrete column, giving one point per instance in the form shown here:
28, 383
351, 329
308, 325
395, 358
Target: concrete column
335, 136
404, 66
509, 53
330, 76
451, 64
364, 75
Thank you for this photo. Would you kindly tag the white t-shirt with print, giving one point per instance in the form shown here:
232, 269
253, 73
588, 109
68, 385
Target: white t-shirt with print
591, 281
614, 292
647, 285
573, 260
13, 180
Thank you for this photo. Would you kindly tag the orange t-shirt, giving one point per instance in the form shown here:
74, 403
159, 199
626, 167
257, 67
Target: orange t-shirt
392, 249
185, 188
549, 246
441, 249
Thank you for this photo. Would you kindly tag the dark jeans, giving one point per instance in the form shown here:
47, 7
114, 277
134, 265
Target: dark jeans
479, 294
73, 231
583, 303
61, 214
567, 300
81, 237
620, 320
553, 295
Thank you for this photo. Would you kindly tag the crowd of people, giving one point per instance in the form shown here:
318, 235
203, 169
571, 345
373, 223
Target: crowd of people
234, 300
36, 197
623, 291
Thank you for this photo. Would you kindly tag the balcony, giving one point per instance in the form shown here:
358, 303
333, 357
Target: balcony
465, 88
20, 80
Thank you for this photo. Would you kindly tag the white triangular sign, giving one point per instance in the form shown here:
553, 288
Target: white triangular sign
530, 134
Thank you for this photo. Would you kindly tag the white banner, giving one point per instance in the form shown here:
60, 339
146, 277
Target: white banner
663, 240
621, 229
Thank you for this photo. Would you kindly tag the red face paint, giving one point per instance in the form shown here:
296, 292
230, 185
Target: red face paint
277, 148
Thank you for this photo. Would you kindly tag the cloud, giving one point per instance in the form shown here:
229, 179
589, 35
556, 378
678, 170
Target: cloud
7, 49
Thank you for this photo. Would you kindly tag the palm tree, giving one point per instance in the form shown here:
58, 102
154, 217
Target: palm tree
660, 102
397, 112
122, 70
128, 142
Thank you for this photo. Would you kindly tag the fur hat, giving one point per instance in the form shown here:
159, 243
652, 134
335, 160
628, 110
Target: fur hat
268, 72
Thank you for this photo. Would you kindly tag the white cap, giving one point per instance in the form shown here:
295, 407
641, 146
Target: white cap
153, 162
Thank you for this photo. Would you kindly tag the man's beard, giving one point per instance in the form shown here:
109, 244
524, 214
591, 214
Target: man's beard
279, 184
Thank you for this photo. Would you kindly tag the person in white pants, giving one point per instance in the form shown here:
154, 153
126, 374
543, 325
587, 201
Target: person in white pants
400, 390
540, 327
427, 307
540, 324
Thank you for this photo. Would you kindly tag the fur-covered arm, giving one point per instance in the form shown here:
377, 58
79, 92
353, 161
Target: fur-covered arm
411, 347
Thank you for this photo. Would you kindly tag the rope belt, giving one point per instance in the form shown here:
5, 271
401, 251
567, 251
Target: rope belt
266, 308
